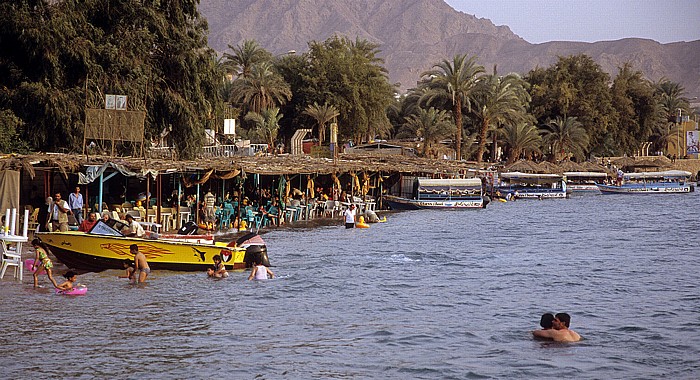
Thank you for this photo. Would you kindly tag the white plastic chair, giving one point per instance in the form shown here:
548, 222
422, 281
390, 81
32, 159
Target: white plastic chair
11, 259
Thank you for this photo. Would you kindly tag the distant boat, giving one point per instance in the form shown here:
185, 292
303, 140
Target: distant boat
584, 182
532, 186
441, 194
666, 182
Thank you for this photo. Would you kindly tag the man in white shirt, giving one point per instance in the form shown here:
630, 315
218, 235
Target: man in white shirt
75, 201
350, 216
59, 214
134, 227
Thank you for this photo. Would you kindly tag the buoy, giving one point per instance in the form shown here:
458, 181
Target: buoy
502, 200
382, 220
361, 223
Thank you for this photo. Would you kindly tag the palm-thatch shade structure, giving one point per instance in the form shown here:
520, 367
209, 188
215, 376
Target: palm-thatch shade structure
524, 166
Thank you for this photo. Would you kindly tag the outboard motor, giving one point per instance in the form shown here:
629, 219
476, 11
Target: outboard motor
189, 228
255, 253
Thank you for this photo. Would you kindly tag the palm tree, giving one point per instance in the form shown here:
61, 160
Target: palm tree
266, 124
431, 125
671, 96
664, 135
245, 56
498, 100
455, 81
322, 114
520, 139
565, 136
263, 88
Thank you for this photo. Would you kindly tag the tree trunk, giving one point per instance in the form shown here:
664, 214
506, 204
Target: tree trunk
482, 140
458, 122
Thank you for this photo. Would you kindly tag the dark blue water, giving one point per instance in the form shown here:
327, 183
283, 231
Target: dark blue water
427, 295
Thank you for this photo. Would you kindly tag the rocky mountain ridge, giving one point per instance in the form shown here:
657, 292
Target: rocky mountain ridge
415, 34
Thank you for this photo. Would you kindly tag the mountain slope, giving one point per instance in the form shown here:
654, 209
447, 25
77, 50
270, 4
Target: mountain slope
415, 34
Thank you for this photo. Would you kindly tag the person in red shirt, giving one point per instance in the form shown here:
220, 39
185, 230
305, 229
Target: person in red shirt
88, 223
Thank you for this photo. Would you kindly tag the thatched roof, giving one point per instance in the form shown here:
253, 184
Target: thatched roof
523, 166
268, 165
548, 167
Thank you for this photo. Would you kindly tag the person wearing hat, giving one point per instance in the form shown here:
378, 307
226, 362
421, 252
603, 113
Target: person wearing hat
350, 216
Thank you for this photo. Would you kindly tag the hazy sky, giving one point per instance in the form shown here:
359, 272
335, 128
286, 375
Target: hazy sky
590, 20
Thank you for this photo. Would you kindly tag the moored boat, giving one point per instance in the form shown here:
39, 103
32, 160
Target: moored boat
441, 194
665, 182
584, 182
532, 186
95, 252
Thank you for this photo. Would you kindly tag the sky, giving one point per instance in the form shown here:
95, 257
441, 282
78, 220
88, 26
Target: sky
540, 21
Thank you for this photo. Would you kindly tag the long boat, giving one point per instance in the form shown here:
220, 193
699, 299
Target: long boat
101, 249
665, 182
584, 182
458, 193
532, 186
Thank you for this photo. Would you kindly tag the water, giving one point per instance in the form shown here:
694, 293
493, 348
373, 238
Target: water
427, 295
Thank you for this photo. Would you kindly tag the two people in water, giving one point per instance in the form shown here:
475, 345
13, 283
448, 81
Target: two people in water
556, 328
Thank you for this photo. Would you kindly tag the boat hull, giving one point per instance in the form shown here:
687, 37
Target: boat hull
95, 253
400, 203
652, 188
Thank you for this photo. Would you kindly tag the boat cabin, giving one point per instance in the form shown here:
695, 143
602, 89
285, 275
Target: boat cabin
532, 185
579, 182
447, 189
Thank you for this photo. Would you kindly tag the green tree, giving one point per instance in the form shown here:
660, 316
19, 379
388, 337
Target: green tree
9, 139
520, 139
322, 114
431, 125
262, 88
456, 81
266, 124
498, 100
154, 52
244, 57
633, 99
564, 136
574, 86
350, 76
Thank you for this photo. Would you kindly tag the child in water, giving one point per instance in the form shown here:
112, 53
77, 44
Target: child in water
67, 285
219, 269
260, 272
42, 261
128, 269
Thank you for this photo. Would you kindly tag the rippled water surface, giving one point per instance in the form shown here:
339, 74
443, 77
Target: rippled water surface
427, 295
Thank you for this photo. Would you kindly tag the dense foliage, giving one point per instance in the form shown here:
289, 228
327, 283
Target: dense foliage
59, 57
55, 56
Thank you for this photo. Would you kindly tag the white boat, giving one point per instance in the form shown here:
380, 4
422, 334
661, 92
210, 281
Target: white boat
584, 182
441, 194
532, 186
666, 182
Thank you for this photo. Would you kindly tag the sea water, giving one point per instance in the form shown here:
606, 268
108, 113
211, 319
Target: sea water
427, 295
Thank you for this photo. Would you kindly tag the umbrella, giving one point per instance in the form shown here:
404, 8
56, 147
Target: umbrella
624, 162
593, 167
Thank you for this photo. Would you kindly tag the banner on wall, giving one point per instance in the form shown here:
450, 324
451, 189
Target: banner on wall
692, 142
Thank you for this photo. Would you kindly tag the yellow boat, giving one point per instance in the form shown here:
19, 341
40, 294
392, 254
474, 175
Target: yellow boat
94, 253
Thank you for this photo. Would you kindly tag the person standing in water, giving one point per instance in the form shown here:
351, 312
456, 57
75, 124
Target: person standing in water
141, 268
350, 216
260, 272
42, 261
560, 330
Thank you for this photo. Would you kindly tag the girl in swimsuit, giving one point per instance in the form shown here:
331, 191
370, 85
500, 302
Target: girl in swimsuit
42, 261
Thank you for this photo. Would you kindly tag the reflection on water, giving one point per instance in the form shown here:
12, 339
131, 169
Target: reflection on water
426, 295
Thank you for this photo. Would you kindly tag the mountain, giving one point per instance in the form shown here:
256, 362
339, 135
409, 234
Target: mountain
415, 34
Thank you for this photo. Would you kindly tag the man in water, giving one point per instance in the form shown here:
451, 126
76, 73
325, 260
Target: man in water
141, 268
560, 330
